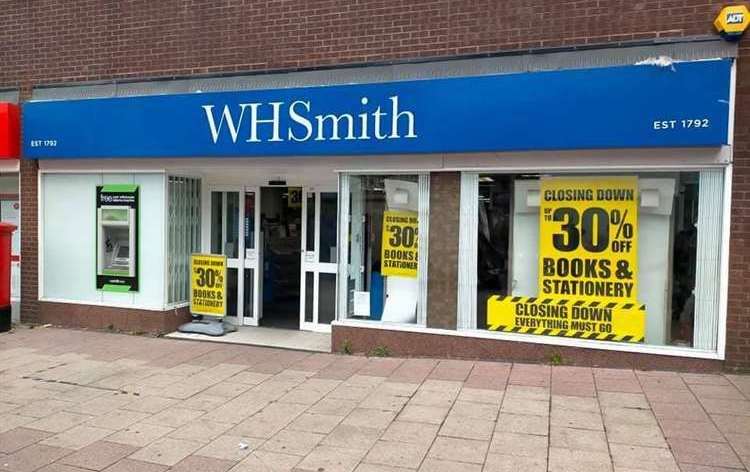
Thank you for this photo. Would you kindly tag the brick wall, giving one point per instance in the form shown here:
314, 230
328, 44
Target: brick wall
401, 343
73, 315
28, 180
48, 41
442, 286
51, 41
738, 313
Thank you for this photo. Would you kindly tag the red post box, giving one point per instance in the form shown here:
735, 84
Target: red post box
6, 233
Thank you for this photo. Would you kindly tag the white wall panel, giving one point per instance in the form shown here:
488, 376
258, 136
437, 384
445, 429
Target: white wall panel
68, 219
69, 239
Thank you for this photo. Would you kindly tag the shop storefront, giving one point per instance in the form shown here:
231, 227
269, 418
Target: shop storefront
576, 202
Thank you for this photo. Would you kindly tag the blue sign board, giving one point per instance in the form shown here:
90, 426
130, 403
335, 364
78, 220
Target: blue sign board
686, 105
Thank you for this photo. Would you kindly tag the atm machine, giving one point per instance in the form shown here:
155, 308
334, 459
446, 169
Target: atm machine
117, 238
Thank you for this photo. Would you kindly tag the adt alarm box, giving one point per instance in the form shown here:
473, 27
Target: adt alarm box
117, 238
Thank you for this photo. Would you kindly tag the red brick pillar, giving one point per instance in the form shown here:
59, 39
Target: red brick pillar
738, 309
29, 241
442, 284
28, 181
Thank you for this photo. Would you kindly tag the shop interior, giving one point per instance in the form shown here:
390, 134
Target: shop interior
281, 226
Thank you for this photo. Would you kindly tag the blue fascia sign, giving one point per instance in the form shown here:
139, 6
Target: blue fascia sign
636, 106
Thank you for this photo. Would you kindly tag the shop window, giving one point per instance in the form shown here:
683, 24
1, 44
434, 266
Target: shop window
385, 263
626, 257
328, 215
184, 234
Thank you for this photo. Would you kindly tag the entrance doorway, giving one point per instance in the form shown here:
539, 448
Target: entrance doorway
281, 248
281, 228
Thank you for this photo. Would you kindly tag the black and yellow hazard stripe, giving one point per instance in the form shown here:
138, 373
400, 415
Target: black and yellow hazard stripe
564, 332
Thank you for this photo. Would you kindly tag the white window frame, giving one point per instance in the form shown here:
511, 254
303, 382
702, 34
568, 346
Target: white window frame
342, 288
310, 261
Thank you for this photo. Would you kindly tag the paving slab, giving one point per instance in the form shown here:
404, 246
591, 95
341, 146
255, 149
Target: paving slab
166, 451
18, 438
461, 450
578, 439
99, 455
159, 405
202, 464
397, 454
33, 457
349, 436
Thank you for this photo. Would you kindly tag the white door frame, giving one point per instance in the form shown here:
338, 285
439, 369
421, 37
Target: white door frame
310, 261
253, 259
244, 260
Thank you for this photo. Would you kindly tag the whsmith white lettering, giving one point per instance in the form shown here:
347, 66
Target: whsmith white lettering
262, 122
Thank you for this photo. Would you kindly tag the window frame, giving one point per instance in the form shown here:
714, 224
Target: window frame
342, 280
467, 266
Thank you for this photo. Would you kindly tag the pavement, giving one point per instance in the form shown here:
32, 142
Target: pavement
269, 337
74, 401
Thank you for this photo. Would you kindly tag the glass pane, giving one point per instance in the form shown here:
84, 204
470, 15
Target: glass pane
310, 240
493, 262
232, 225
115, 214
309, 294
117, 252
328, 212
640, 261
383, 267
216, 222
249, 294
249, 220
232, 292
326, 298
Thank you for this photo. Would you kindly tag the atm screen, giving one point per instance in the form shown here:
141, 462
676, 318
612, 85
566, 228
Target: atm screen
123, 252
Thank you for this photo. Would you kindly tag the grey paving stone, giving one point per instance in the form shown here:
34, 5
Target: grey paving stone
288, 411
99, 455
33, 457
18, 438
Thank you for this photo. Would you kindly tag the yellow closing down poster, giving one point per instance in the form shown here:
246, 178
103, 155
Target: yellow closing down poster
588, 238
208, 289
400, 243
610, 321
588, 264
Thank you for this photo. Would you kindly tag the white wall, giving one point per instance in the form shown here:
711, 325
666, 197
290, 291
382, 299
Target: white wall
68, 233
